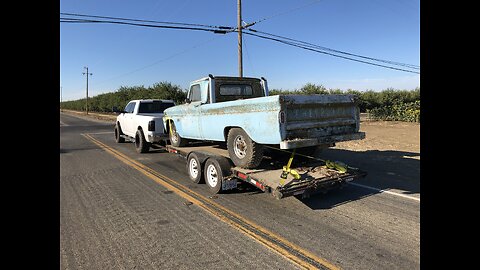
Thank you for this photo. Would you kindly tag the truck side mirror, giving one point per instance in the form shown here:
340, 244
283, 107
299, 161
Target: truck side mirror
116, 110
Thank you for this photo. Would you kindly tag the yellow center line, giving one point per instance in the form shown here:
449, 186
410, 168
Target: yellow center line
163, 180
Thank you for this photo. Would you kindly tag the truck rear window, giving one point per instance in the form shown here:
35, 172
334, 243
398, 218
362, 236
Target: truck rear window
154, 107
236, 90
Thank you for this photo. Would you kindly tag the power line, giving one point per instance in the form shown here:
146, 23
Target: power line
159, 61
328, 53
260, 34
73, 20
248, 56
146, 21
307, 44
285, 12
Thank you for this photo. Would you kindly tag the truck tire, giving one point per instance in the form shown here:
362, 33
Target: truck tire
141, 145
118, 132
175, 138
215, 169
194, 168
243, 151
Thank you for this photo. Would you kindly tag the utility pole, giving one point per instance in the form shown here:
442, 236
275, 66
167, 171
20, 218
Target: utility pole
240, 57
86, 107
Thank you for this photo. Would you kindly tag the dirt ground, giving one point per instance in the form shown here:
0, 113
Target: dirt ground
386, 135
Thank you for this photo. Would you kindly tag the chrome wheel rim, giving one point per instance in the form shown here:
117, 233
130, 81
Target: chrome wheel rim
193, 168
240, 146
212, 176
173, 135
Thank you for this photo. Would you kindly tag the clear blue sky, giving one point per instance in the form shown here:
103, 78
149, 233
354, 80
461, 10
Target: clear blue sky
121, 55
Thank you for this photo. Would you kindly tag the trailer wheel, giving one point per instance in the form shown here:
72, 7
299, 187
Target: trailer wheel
215, 169
118, 132
175, 138
243, 151
194, 168
141, 145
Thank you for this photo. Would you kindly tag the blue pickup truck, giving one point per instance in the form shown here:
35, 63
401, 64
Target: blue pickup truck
239, 111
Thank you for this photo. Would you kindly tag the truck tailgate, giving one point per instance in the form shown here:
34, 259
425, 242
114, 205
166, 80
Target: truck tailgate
318, 119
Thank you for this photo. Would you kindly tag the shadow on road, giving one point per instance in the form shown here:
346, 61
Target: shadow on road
73, 149
386, 170
336, 197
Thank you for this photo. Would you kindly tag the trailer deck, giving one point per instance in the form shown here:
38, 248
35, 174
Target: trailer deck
314, 175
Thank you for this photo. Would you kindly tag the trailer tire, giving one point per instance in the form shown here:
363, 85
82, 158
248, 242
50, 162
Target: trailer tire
141, 145
215, 169
175, 138
194, 169
243, 151
118, 132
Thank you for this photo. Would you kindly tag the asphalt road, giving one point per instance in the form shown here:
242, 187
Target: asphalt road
114, 215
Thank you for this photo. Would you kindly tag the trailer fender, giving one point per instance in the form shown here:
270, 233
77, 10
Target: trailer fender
202, 156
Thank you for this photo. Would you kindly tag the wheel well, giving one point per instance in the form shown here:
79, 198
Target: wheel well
201, 158
226, 130
139, 128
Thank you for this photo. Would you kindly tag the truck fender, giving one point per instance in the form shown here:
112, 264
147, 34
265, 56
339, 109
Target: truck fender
227, 129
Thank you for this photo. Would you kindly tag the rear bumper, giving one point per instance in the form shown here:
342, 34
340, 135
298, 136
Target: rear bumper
297, 143
156, 137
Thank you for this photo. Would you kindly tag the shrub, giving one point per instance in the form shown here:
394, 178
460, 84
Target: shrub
399, 111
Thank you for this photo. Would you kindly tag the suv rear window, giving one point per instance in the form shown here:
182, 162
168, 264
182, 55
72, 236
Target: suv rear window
154, 106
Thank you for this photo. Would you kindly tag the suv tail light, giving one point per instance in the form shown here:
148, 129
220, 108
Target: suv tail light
151, 125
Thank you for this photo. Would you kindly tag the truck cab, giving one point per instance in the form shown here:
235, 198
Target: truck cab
217, 89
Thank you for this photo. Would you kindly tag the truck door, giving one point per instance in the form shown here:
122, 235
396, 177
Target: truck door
127, 124
191, 127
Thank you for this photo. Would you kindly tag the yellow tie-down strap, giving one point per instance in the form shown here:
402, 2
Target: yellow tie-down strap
286, 170
169, 121
335, 165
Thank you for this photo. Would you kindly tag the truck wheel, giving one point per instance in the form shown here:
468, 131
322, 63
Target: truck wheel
175, 138
243, 151
141, 145
118, 132
215, 170
194, 168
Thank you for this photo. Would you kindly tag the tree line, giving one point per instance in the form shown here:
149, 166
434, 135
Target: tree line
120, 98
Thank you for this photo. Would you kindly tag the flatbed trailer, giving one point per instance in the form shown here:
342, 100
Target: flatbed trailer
210, 163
